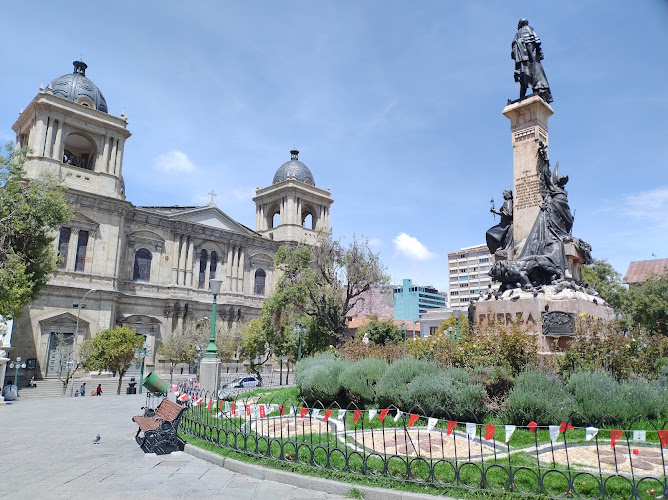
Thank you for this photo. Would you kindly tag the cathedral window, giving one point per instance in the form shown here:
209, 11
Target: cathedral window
260, 278
78, 152
142, 269
63, 245
82, 246
214, 265
203, 256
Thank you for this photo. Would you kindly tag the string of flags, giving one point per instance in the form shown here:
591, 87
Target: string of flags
471, 428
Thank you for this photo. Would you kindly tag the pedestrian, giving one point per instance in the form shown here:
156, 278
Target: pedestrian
82, 389
32, 383
98, 391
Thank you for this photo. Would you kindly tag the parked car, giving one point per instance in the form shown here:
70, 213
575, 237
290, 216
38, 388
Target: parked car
239, 385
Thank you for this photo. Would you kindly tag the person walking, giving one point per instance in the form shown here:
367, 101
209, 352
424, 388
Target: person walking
82, 389
98, 391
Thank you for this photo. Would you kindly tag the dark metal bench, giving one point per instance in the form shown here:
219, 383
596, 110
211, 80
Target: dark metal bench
160, 429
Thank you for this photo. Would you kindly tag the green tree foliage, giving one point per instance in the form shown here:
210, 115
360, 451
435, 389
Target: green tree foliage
380, 331
254, 346
112, 350
646, 304
318, 286
178, 348
603, 278
30, 211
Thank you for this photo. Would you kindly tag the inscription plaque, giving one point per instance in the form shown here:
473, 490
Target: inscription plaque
558, 323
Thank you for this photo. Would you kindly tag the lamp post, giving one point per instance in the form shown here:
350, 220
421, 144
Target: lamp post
141, 354
299, 329
210, 365
17, 364
79, 306
403, 330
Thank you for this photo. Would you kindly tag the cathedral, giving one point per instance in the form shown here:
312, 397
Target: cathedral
144, 267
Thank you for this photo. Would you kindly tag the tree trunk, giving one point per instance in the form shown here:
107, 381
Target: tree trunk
120, 381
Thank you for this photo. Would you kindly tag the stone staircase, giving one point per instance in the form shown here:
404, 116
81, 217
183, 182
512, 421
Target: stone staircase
53, 387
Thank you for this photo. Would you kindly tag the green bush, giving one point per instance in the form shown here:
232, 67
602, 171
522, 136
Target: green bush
359, 380
539, 397
392, 385
645, 398
496, 380
442, 396
318, 379
458, 374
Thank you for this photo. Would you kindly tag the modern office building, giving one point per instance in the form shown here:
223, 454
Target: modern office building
468, 275
411, 301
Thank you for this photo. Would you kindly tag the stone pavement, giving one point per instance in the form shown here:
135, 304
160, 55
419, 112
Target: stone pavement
47, 451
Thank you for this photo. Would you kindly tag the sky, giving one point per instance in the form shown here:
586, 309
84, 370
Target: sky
394, 105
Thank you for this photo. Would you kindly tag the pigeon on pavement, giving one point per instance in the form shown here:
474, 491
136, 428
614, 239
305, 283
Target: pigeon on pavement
97, 439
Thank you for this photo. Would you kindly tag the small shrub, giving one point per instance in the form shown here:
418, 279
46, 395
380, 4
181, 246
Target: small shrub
496, 380
442, 396
538, 397
359, 380
598, 397
644, 398
392, 385
458, 374
320, 380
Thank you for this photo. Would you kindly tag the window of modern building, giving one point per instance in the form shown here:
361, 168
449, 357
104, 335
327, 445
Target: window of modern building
260, 278
203, 256
63, 245
142, 270
82, 245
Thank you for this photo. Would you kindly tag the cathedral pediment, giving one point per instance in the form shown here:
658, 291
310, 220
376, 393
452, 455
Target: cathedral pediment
209, 215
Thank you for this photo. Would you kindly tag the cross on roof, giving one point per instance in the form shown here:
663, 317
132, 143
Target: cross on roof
212, 194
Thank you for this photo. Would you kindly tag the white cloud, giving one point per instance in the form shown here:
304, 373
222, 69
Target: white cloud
652, 204
375, 243
411, 247
174, 162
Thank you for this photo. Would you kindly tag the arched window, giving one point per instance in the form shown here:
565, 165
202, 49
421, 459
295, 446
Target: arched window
214, 265
308, 221
79, 152
275, 220
202, 268
260, 277
142, 270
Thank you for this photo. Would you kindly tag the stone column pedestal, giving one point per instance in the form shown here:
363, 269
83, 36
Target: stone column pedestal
209, 375
528, 125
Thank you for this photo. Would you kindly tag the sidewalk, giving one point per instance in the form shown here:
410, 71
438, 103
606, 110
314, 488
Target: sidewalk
48, 453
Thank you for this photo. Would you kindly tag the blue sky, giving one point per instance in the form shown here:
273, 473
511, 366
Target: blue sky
395, 105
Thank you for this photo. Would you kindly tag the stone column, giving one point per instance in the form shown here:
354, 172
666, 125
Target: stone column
104, 164
528, 125
228, 266
72, 249
207, 271
49, 138
57, 143
175, 259
181, 276
240, 273
37, 137
119, 158
189, 263
112, 158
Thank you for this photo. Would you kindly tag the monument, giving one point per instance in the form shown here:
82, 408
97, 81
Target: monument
537, 259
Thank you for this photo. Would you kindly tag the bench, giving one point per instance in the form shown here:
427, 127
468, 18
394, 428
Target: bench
160, 429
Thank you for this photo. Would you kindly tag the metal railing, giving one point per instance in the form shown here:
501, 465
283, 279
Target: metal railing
488, 453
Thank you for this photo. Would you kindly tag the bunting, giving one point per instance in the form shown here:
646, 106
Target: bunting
489, 431
554, 432
398, 415
175, 388
590, 433
263, 411
183, 397
293, 410
615, 435
470, 430
431, 423
198, 401
639, 436
342, 413
303, 412
358, 413
233, 408
328, 413
227, 406
248, 410
451, 426
372, 413
565, 426
315, 412
509, 432
282, 409
413, 418
383, 414
663, 438
208, 406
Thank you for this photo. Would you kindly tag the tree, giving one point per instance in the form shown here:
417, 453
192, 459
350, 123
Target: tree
646, 304
112, 350
380, 331
178, 348
65, 361
603, 278
30, 212
254, 345
320, 284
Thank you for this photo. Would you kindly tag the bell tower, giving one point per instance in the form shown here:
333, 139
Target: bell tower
71, 134
292, 208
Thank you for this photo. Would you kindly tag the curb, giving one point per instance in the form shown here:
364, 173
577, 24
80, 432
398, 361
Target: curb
305, 482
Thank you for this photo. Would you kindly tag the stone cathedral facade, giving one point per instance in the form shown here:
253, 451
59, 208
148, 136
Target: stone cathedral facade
145, 267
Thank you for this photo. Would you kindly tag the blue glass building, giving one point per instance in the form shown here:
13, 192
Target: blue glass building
411, 301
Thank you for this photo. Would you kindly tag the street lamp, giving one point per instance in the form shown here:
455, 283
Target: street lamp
79, 306
141, 354
17, 364
403, 330
299, 329
211, 350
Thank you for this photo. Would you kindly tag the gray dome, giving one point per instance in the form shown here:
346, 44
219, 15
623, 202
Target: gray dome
77, 88
294, 169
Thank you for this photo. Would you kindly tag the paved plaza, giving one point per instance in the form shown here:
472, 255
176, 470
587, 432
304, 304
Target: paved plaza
48, 452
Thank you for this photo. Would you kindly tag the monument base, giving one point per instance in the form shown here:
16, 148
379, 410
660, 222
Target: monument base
548, 312
209, 375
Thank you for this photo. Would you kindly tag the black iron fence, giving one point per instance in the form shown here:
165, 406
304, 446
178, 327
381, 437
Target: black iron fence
489, 453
